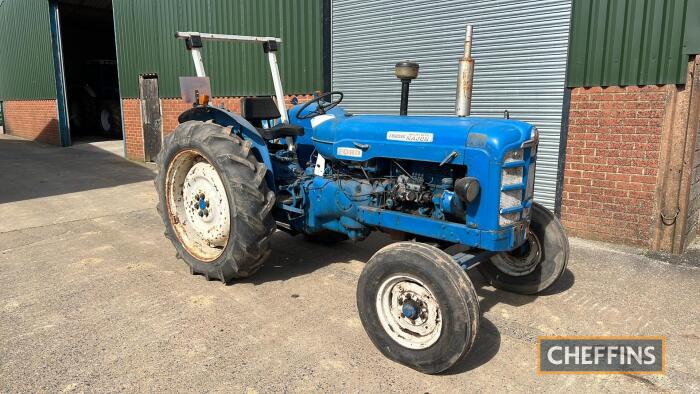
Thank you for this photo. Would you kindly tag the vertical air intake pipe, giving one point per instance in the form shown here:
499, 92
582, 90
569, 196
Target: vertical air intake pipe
405, 71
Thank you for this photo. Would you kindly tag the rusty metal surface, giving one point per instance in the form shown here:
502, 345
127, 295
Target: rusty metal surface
465, 77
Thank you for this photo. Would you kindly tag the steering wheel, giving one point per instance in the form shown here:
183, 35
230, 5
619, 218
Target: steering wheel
323, 106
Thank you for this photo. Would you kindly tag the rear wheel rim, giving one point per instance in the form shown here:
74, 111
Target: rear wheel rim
198, 205
105, 120
409, 312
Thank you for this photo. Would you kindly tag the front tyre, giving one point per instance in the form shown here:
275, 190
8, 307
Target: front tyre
418, 306
538, 263
214, 201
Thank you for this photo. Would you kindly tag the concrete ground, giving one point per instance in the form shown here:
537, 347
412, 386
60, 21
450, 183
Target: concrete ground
93, 299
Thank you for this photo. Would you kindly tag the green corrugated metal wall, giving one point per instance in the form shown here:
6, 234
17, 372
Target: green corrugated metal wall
691, 43
26, 61
145, 43
628, 42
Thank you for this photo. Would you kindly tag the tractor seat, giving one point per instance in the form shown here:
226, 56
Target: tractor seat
257, 109
281, 130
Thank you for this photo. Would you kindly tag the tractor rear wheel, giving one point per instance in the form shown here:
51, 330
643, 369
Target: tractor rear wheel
110, 119
538, 263
214, 201
418, 306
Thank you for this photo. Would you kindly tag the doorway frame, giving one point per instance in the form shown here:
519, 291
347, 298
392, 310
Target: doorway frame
59, 74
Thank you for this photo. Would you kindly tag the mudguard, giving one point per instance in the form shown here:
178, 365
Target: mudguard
240, 126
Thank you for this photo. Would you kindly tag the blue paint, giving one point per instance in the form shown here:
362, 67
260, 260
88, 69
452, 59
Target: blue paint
409, 310
57, 48
202, 203
355, 206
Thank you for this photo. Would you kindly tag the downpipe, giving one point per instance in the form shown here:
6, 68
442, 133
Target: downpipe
465, 77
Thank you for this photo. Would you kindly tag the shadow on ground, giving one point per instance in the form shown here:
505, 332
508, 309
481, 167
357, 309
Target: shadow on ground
293, 257
31, 170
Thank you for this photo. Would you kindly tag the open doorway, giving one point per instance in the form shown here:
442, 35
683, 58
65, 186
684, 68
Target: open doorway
90, 70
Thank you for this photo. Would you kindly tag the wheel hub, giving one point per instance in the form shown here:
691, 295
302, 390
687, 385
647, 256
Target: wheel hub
204, 189
410, 309
409, 312
198, 205
523, 260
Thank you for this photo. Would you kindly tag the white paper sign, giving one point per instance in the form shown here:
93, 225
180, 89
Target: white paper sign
320, 165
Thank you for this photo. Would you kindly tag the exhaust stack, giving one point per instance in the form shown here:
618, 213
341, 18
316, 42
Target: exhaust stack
465, 77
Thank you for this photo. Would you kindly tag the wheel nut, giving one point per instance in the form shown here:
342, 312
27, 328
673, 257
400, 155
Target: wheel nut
201, 213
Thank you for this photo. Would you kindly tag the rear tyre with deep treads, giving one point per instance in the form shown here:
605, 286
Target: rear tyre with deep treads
204, 169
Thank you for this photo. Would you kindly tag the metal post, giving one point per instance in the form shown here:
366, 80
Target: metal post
198, 63
277, 82
279, 92
194, 44
465, 77
59, 73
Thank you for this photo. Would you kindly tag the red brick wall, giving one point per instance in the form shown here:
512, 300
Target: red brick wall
35, 120
133, 130
612, 160
171, 109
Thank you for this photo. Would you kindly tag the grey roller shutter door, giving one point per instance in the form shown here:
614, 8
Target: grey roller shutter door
520, 49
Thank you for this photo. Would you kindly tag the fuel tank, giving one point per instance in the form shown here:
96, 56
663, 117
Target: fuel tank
340, 136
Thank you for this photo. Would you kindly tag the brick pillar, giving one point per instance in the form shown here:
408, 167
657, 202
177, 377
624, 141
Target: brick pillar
678, 184
133, 129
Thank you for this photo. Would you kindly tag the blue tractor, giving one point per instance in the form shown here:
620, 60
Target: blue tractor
226, 182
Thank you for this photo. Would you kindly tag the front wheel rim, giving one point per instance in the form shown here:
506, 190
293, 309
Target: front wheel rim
198, 205
409, 312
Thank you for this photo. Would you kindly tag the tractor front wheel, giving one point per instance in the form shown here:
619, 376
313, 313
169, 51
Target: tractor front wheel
538, 263
214, 201
418, 306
